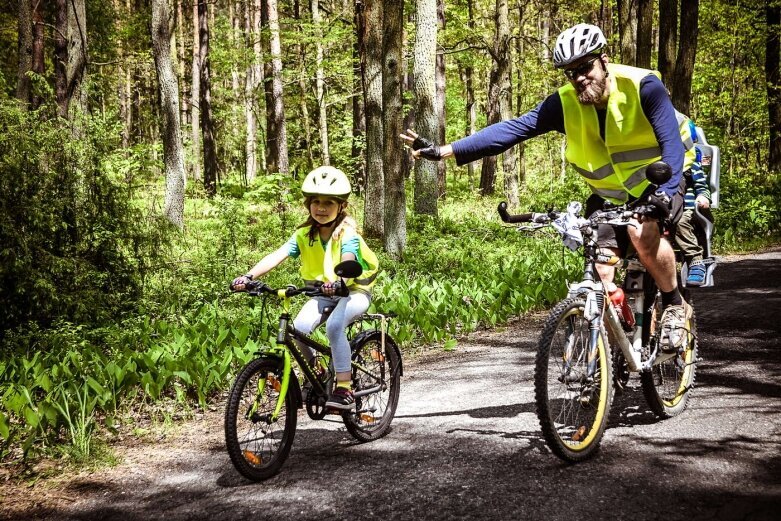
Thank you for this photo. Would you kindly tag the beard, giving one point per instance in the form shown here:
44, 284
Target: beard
592, 93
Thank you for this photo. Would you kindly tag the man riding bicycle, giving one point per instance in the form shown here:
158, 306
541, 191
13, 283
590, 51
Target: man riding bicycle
618, 120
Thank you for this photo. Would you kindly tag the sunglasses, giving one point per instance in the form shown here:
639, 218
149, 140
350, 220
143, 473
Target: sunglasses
582, 69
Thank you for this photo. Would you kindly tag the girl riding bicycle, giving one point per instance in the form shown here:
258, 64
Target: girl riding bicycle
326, 238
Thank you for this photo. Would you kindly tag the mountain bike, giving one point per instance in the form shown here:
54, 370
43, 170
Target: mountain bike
587, 349
262, 410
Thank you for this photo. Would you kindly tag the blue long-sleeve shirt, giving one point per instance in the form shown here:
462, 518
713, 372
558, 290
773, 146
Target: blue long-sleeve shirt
549, 116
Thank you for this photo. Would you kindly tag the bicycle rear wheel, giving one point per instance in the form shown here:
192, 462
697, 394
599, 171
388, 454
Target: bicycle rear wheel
257, 443
573, 393
668, 385
376, 382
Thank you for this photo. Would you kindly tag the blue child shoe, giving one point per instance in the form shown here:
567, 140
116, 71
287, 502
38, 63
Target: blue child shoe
696, 276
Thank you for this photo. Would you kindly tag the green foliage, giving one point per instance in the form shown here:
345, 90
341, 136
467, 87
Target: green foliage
74, 245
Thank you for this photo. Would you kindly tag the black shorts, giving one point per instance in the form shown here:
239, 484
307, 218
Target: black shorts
617, 237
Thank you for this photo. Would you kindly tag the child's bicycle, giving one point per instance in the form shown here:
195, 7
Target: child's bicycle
577, 364
261, 414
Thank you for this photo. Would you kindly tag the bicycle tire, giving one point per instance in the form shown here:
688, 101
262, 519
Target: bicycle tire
256, 445
667, 386
374, 412
572, 425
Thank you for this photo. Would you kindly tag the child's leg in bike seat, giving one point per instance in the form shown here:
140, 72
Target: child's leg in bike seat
703, 220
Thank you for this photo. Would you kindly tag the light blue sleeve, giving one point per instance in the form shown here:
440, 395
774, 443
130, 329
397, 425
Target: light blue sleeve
292, 247
351, 245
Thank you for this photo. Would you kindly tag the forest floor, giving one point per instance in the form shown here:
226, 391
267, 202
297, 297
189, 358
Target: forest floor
466, 442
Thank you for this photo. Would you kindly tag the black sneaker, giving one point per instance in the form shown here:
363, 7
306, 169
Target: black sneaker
341, 399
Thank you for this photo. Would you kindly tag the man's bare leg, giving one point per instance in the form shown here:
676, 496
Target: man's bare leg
655, 254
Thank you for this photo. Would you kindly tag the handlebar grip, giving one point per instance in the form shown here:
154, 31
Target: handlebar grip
510, 219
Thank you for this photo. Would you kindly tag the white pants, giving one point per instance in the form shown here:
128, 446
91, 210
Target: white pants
347, 309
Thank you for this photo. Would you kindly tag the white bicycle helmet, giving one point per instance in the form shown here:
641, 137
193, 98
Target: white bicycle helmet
577, 42
326, 180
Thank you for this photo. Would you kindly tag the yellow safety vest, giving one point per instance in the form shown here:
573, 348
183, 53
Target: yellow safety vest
318, 261
615, 167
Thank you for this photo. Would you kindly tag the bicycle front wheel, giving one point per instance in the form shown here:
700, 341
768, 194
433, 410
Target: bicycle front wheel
572, 383
376, 382
668, 385
258, 439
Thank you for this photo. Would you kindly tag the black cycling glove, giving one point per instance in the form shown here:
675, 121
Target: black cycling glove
662, 203
241, 281
428, 150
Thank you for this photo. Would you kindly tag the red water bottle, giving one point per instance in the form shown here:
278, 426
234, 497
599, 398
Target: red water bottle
622, 307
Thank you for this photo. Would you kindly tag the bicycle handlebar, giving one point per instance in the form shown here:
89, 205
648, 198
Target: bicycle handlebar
257, 288
610, 213
512, 219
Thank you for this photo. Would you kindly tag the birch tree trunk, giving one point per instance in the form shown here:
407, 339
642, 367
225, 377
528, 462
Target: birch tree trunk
374, 206
395, 198
253, 80
425, 90
173, 157
325, 155
279, 138
303, 86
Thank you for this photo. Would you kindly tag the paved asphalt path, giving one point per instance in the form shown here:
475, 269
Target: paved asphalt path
466, 443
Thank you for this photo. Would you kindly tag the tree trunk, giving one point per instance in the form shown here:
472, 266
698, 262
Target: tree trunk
519, 52
425, 91
605, 20
627, 30
70, 51
374, 206
668, 40
503, 53
645, 21
39, 65
173, 156
317, 20
303, 81
773, 77
234, 16
395, 199
359, 115
77, 56
471, 108
180, 48
25, 47
210, 165
254, 72
440, 102
195, 96
279, 138
687, 52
